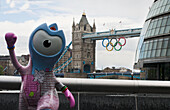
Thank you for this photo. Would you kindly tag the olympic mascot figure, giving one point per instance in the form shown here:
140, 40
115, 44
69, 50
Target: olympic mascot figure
38, 91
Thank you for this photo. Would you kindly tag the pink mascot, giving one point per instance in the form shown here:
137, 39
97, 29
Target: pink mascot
38, 90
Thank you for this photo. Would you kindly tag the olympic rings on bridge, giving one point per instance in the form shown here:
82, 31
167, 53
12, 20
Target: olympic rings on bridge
114, 46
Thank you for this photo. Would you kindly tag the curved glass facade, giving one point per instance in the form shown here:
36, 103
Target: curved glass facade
154, 45
158, 26
155, 48
159, 7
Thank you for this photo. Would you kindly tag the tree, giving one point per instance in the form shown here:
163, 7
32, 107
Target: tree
1, 70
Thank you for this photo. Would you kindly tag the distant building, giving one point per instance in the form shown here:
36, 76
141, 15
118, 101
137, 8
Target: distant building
9, 69
122, 69
7, 65
23, 59
113, 69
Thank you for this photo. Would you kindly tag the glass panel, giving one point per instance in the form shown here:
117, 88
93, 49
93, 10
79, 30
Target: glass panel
159, 44
153, 32
167, 8
168, 53
143, 46
145, 53
165, 44
153, 6
169, 44
150, 14
142, 54
167, 71
166, 38
163, 52
154, 45
148, 54
154, 11
161, 30
146, 46
157, 31
162, 9
168, 22
156, 4
153, 53
146, 35
158, 52
167, 29
150, 26
154, 24
165, 2
164, 22
150, 45
159, 10
159, 23
149, 33
161, 2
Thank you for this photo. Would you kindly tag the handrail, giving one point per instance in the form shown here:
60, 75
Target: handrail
98, 85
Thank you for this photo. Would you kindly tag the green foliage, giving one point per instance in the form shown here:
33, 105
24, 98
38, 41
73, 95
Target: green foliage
1, 70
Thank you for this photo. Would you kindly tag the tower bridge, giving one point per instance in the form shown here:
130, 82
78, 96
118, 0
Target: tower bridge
83, 42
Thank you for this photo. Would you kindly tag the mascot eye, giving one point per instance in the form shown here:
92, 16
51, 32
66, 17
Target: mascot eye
46, 44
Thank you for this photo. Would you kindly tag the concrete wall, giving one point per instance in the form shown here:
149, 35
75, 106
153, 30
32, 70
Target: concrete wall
102, 101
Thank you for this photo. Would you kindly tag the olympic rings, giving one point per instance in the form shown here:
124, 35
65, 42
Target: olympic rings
108, 45
124, 40
104, 40
113, 46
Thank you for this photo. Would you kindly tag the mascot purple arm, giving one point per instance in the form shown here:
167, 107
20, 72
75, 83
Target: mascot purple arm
38, 88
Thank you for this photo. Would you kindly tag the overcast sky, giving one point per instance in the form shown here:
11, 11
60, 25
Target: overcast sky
23, 16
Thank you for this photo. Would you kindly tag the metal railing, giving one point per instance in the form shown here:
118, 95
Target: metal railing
98, 85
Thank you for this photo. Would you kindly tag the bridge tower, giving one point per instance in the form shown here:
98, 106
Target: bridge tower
83, 49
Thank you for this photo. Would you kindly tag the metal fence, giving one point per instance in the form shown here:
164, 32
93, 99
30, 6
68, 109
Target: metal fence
98, 85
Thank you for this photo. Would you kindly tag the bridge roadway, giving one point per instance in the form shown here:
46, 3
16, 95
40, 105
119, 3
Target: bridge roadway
127, 33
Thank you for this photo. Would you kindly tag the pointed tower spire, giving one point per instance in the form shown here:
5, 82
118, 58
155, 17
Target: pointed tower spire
94, 26
84, 14
83, 20
73, 23
73, 26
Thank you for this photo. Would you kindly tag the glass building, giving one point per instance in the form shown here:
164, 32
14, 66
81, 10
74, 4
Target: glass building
153, 52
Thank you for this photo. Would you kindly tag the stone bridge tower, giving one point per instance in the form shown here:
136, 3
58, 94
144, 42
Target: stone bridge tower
83, 55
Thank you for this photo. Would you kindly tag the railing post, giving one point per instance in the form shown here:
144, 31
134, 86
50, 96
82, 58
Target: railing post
78, 101
136, 101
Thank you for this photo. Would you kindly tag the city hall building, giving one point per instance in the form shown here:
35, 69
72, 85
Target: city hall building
153, 52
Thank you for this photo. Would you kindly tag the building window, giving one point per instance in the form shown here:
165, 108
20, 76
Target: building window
88, 54
168, 53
